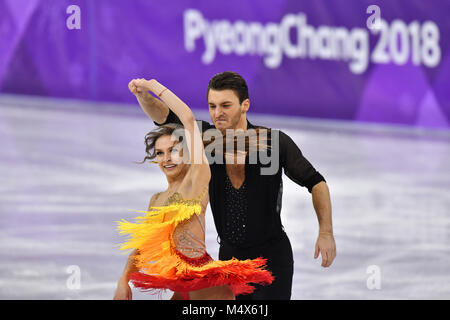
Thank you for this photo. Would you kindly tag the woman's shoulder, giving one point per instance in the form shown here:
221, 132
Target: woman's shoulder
154, 198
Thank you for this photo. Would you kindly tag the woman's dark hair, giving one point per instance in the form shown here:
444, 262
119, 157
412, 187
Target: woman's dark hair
229, 80
155, 134
260, 143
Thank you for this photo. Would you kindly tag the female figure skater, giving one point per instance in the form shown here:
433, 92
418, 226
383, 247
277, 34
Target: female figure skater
169, 240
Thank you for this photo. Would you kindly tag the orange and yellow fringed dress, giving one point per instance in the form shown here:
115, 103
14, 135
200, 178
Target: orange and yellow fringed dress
171, 252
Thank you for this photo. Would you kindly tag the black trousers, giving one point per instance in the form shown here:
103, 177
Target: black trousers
280, 262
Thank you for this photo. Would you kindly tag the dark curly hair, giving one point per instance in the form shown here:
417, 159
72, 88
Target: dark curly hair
219, 146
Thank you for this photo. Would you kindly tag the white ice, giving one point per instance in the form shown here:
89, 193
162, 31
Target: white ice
67, 175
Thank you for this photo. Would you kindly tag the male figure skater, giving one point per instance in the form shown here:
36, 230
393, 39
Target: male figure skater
246, 204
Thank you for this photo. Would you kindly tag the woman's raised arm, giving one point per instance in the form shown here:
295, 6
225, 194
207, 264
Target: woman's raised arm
194, 141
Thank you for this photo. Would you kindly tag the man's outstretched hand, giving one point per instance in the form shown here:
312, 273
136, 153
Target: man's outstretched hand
327, 247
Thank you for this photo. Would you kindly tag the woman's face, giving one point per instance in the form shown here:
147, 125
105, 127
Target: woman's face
169, 155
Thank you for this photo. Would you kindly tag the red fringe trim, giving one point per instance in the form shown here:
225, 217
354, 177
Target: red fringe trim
237, 274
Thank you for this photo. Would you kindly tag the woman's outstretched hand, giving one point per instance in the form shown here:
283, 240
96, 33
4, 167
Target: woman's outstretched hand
140, 88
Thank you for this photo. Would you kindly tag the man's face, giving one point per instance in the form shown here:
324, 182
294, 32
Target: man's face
225, 109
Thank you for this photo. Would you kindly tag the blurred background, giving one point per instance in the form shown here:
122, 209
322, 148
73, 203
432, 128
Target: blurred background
362, 87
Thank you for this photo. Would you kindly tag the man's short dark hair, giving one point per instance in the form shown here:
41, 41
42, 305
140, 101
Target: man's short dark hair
229, 80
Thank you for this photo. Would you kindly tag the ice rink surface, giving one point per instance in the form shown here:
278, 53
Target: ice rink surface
67, 174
